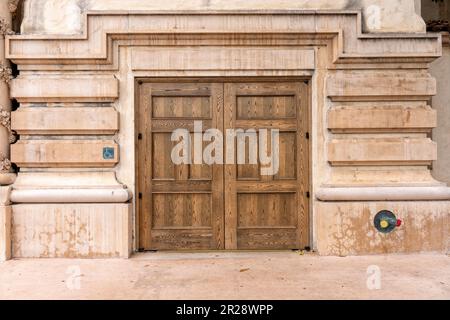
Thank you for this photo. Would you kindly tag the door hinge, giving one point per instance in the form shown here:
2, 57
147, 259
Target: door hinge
308, 195
307, 136
140, 195
140, 136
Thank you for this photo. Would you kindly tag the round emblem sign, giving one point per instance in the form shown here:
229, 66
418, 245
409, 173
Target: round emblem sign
385, 221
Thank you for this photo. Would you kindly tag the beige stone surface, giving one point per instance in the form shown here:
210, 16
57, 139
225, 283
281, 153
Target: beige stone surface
382, 151
63, 153
380, 86
65, 89
190, 30
228, 276
221, 58
65, 121
5, 223
392, 176
67, 180
78, 195
5, 233
69, 187
348, 229
64, 16
71, 230
382, 119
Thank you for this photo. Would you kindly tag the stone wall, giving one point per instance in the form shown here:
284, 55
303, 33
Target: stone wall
370, 116
65, 16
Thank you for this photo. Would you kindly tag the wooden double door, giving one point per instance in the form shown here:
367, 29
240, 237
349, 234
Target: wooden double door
200, 206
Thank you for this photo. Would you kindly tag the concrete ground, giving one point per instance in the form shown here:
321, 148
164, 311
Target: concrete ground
267, 275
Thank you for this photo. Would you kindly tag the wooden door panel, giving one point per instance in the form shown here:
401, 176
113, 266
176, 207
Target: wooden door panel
167, 107
182, 205
268, 211
265, 107
197, 206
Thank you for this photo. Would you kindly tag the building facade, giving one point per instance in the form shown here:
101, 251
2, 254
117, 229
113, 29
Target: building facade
101, 86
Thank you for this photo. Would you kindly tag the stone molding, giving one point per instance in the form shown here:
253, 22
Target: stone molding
67, 187
119, 195
374, 86
65, 88
381, 119
97, 153
155, 28
68, 16
384, 194
65, 121
381, 152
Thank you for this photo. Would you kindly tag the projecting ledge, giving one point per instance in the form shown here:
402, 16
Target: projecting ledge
70, 196
384, 194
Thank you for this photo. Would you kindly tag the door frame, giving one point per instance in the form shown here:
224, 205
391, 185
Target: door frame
141, 80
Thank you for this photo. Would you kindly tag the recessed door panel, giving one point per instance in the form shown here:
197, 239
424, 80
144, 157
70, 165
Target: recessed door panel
181, 205
268, 210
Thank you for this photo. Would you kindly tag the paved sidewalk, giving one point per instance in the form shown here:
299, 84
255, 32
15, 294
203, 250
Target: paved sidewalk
266, 275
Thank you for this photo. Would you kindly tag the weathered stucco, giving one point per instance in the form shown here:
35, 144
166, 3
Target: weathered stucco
347, 228
71, 231
65, 16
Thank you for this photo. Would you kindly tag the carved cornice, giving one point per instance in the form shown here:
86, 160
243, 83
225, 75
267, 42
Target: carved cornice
5, 164
5, 121
5, 74
350, 44
5, 28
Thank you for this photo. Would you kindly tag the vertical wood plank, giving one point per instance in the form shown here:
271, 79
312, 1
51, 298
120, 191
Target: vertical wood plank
231, 220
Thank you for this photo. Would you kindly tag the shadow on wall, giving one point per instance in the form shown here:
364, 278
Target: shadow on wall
437, 14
